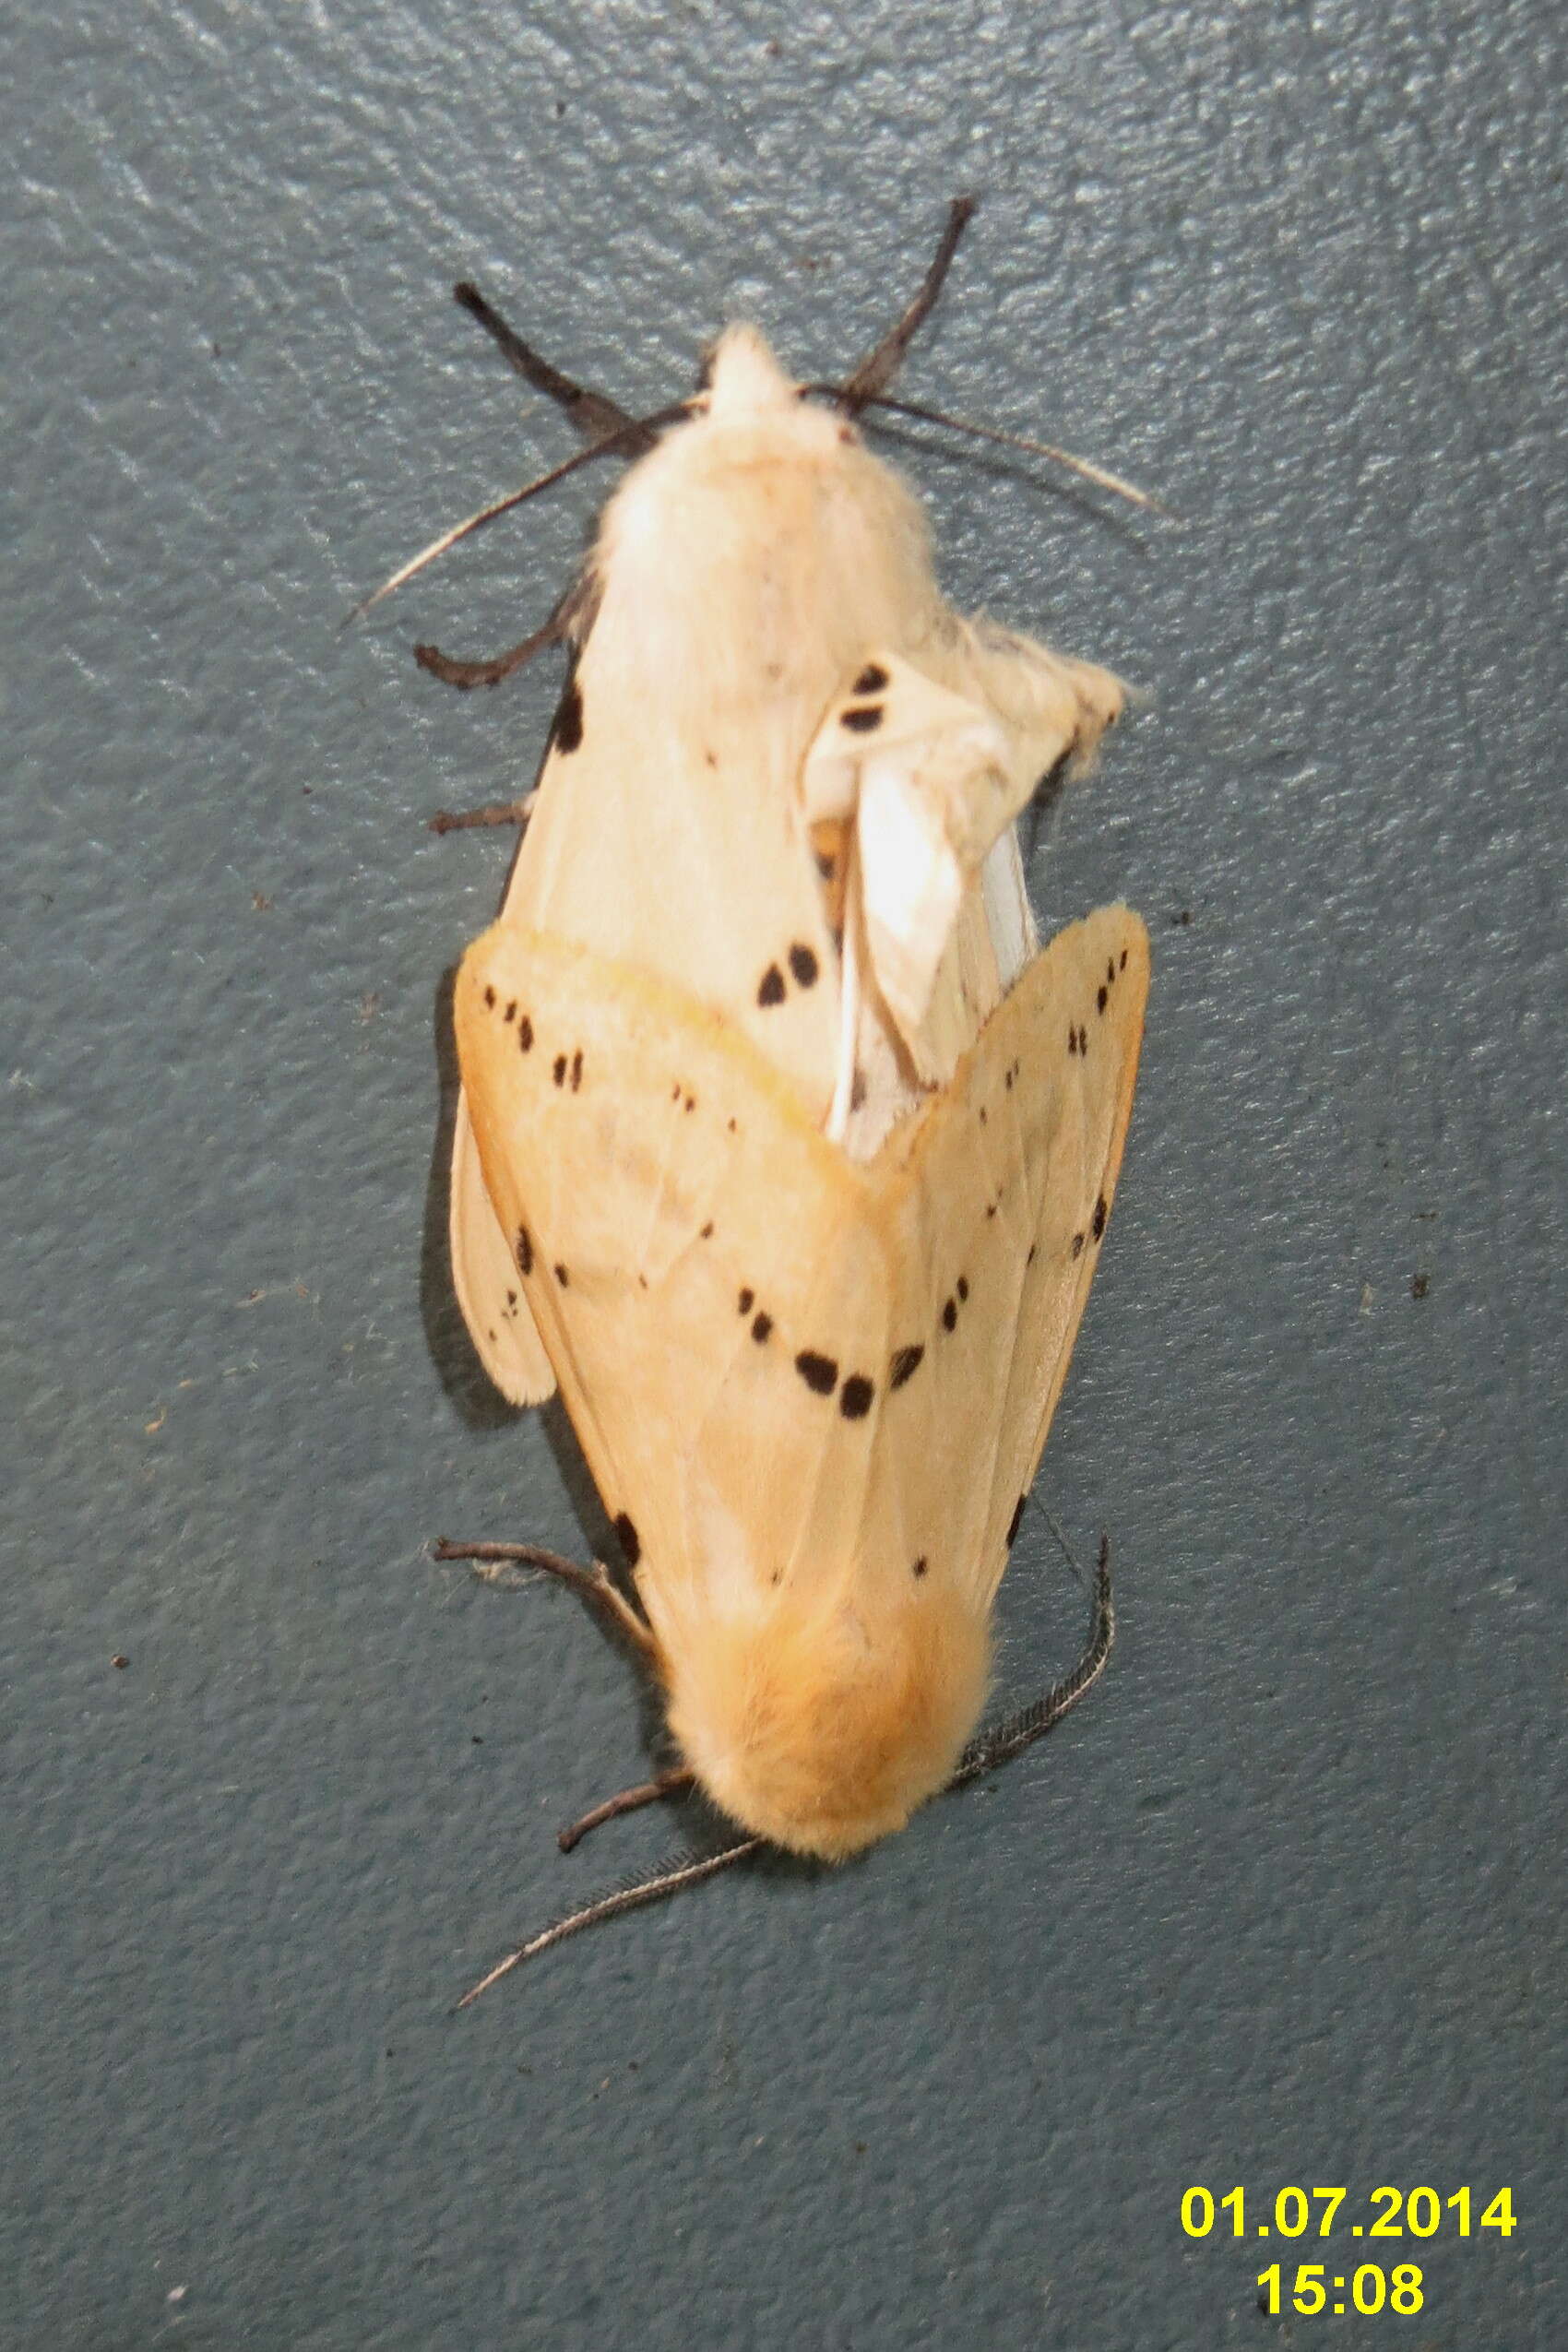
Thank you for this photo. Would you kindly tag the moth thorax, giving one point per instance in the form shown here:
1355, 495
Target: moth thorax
823, 1733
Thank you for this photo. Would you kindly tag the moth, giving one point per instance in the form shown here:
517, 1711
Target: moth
784, 1150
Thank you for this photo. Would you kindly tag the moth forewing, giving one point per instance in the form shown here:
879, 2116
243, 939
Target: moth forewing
488, 1282
811, 1391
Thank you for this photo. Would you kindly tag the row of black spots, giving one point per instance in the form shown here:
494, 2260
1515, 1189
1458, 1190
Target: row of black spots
762, 1322
562, 1069
525, 1026
821, 1376
865, 718
1097, 1226
1077, 1040
803, 967
955, 1298
1011, 1076
1111, 967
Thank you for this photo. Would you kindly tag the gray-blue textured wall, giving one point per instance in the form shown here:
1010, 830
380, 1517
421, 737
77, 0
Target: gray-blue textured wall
1283, 1903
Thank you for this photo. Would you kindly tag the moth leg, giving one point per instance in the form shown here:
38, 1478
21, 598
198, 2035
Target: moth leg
626, 1800
495, 813
879, 367
593, 413
464, 674
593, 1584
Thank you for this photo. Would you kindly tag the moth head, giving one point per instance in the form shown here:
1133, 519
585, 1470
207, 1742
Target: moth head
742, 378
823, 1730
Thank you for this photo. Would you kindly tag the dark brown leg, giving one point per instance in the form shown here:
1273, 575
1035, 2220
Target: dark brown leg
879, 367
464, 674
593, 413
593, 1584
627, 1800
495, 813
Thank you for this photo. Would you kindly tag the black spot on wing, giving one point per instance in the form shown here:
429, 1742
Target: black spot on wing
855, 1399
1101, 999
567, 733
864, 721
1077, 1243
802, 963
559, 1071
524, 1251
963, 1290
871, 680
920, 1567
525, 1034
563, 1276
744, 1303
490, 998
1097, 1223
511, 1012
576, 1069
628, 1538
819, 1372
771, 988
905, 1364
762, 1324
949, 1314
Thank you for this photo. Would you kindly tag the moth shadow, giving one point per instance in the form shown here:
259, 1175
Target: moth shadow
1075, 500
478, 1402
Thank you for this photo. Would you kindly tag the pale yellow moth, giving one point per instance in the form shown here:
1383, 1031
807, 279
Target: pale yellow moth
783, 1149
